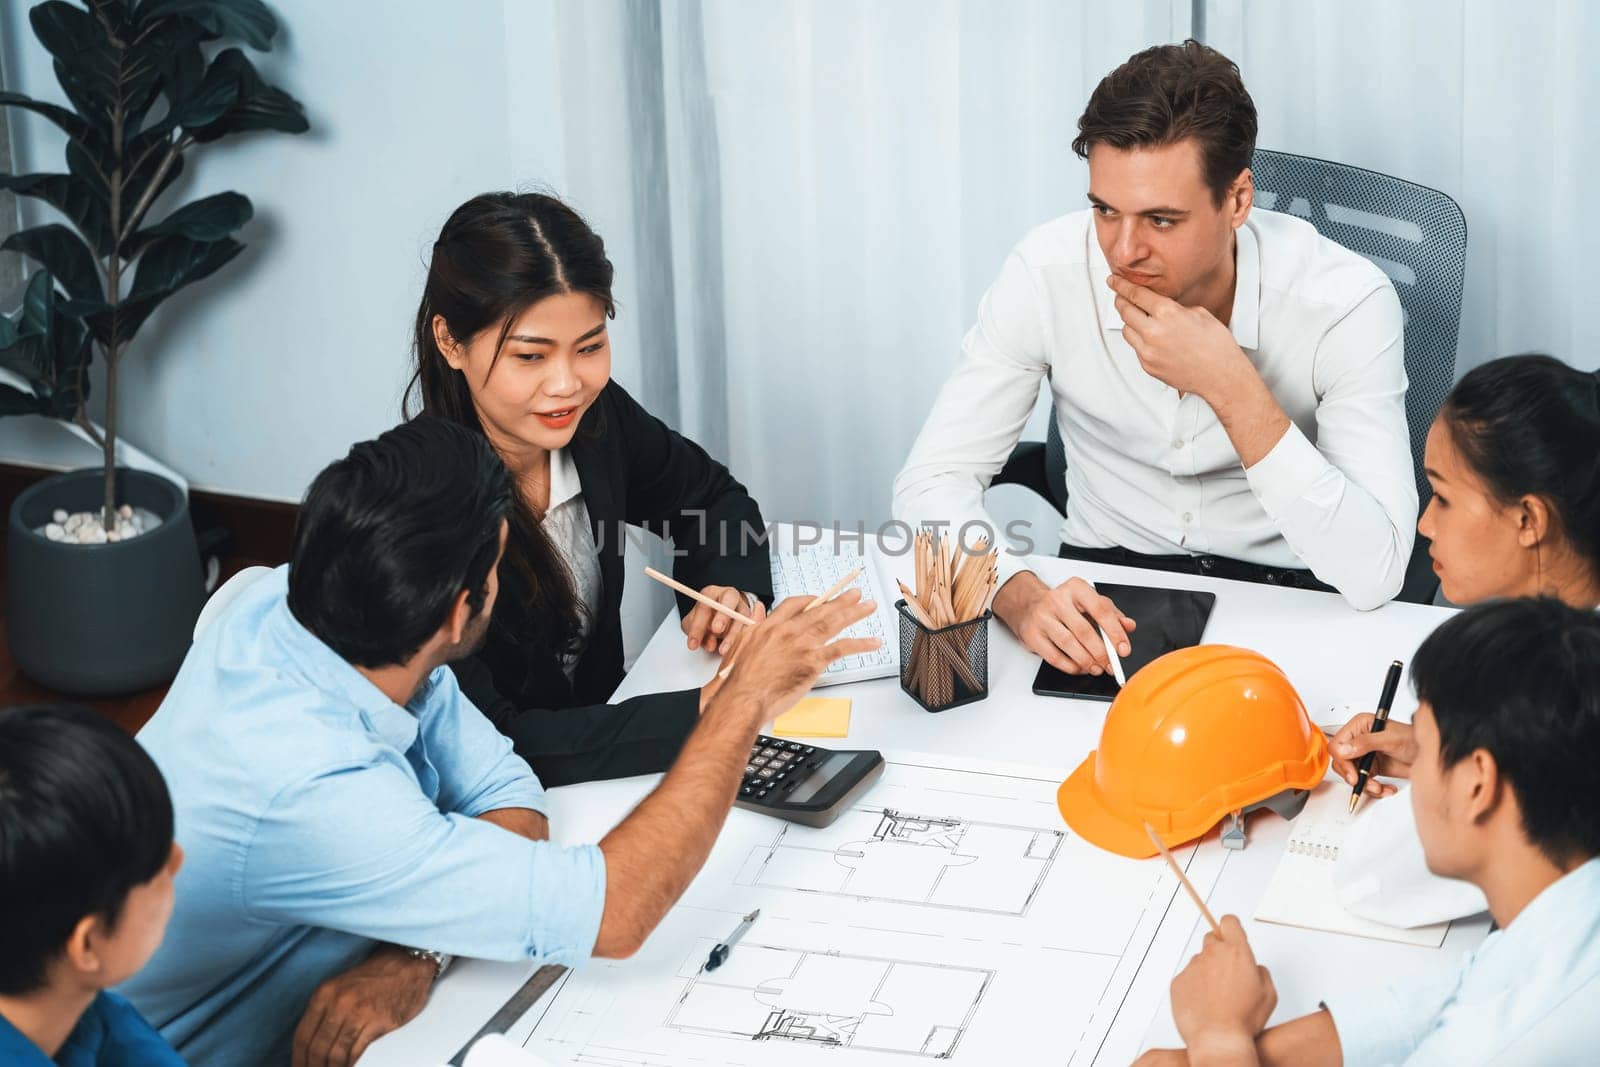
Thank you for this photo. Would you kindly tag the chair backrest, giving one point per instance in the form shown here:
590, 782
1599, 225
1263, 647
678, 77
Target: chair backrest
1416, 235
1055, 463
226, 594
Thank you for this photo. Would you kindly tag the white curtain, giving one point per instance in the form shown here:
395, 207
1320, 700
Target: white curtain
1490, 102
805, 201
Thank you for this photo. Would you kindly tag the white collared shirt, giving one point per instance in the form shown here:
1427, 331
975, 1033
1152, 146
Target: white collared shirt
566, 521
1529, 994
1154, 472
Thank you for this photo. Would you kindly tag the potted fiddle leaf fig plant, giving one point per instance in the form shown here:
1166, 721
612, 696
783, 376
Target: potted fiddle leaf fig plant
104, 578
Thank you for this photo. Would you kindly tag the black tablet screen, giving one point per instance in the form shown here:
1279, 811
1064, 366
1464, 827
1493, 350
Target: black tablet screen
1168, 619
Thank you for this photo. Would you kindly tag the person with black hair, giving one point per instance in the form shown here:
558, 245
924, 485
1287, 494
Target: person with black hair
1514, 460
351, 820
87, 863
511, 342
1506, 791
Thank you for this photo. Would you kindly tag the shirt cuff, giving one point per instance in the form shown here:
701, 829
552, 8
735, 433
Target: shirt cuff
1008, 565
525, 793
1286, 473
1369, 1032
566, 919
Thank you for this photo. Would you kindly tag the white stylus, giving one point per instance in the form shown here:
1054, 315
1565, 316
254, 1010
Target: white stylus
1111, 652
1116, 661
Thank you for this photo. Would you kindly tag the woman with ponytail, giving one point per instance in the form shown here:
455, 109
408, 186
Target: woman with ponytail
511, 342
1514, 460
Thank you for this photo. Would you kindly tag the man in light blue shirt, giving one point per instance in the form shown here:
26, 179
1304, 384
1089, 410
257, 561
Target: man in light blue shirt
344, 809
1506, 793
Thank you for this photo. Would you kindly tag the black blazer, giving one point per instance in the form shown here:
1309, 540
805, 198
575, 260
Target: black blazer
634, 471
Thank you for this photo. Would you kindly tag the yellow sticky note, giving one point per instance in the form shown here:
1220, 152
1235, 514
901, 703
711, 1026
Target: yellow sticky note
815, 717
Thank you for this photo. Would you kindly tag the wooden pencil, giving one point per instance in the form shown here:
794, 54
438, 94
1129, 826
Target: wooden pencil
1184, 879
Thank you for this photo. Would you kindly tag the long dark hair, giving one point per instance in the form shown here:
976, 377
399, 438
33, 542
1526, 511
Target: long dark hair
499, 254
1530, 426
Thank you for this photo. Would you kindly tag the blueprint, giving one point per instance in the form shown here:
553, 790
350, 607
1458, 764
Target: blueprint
883, 854
949, 916
829, 1000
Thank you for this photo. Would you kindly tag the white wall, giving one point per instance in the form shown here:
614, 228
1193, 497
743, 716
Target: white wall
255, 378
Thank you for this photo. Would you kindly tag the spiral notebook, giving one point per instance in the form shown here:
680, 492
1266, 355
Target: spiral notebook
1302, 891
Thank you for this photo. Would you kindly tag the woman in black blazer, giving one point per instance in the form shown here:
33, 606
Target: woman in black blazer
511, 341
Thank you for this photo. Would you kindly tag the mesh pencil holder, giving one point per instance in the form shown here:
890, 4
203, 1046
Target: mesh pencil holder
944, 668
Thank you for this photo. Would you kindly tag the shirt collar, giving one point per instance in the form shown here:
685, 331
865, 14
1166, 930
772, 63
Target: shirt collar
17, 1050
1557, 908
325, 669
564, 483
1563, 915
1244, 323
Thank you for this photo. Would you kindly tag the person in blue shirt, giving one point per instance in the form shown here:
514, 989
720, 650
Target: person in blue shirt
87, 862
1506, 793
351, 819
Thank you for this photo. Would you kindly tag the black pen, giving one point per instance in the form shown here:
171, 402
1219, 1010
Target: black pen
1391, 682
720, 953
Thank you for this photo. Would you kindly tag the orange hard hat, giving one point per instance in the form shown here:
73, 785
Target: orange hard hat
1196, 735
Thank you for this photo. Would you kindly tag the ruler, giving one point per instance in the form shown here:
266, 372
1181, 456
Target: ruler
537, 985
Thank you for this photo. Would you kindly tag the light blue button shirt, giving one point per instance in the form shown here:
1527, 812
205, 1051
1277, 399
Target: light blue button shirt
320, 818
1529, 994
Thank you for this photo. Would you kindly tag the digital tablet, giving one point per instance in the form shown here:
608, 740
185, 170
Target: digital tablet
1168, 619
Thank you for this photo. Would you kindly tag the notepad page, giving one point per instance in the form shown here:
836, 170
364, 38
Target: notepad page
1302, 891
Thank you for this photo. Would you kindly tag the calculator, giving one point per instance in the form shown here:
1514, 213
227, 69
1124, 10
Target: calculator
804, 783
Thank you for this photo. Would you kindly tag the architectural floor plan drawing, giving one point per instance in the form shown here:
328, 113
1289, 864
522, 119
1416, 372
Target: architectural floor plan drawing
885, 854
951, 917
828, 1000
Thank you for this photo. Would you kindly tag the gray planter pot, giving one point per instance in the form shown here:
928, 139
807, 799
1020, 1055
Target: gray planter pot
99, 620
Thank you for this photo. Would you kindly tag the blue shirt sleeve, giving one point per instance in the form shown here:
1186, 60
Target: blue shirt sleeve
1382, 1023
478, 770
358, 848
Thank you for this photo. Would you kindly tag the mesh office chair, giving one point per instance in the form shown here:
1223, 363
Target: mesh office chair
1416, 235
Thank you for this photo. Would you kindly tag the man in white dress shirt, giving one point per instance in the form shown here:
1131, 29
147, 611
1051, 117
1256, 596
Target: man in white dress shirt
1229, 384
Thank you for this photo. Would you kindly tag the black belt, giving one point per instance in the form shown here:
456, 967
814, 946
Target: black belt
1209, 566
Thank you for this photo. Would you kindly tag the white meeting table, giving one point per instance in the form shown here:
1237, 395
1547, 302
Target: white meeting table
1334, 655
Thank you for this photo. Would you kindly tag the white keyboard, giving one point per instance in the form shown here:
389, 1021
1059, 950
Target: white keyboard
814, 569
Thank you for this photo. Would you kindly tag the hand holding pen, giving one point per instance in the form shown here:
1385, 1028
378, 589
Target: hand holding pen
1365, 746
